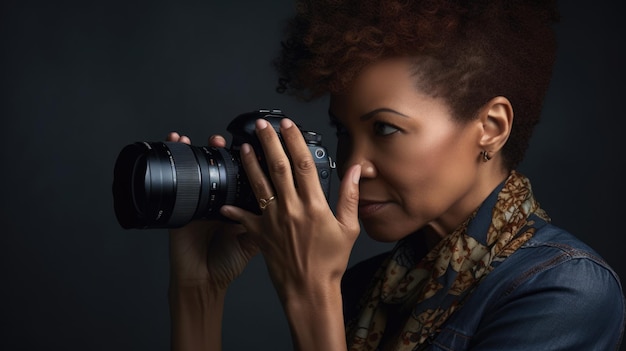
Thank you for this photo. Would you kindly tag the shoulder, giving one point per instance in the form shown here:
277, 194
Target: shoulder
553, 250
554, 288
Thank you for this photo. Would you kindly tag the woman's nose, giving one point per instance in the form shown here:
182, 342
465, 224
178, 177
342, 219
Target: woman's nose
347, 157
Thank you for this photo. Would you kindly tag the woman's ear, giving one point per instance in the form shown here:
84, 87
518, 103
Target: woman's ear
496, 118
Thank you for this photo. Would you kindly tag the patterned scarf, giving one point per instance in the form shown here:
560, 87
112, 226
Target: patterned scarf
434, 288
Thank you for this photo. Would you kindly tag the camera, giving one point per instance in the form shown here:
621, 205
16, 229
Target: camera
169, 184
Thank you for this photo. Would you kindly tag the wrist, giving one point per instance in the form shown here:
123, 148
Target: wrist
196, 312
195, 289
314, 293
315, 318
191, 284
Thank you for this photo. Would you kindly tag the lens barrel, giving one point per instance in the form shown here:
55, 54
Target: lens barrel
168, 184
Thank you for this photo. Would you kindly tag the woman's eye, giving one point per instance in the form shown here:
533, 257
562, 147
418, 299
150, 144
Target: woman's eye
384, 129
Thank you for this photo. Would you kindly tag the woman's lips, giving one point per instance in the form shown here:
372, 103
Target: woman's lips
370, 208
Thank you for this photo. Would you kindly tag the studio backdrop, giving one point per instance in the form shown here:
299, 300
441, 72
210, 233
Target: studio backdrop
80, 80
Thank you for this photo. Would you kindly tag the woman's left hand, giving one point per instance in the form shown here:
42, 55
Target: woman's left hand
305, 246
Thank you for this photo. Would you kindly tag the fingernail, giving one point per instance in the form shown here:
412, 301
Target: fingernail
245, 148
225, 210
356, 174
286, 123
261, 123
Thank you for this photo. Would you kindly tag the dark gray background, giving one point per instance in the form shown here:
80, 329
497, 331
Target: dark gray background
80, 81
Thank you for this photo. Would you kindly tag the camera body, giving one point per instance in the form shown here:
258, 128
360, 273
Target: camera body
169, 184
243, 130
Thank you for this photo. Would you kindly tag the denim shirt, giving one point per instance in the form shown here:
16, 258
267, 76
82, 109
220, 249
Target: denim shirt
554, 293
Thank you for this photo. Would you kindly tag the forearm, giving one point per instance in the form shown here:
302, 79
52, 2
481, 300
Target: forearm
196, 317
316, 319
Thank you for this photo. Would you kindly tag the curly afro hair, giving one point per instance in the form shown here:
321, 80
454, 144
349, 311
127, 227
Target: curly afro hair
465, 51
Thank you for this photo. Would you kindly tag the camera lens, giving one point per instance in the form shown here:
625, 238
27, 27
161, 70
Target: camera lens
168, 184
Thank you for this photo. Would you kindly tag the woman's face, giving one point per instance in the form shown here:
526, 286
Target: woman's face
419, 165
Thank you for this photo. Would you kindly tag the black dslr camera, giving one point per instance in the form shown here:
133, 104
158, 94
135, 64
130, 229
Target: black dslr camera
169, 184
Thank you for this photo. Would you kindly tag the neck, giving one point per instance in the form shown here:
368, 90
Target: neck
446, 224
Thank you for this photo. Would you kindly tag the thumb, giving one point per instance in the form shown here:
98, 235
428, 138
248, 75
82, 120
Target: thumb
244, 218
348, 201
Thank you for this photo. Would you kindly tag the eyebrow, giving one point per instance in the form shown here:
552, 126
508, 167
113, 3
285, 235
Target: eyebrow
370, 114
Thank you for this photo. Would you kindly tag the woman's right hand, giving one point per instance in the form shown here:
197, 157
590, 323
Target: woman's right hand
204, 251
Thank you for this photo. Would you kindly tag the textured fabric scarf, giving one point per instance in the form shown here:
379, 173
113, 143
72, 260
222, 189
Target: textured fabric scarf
436, 286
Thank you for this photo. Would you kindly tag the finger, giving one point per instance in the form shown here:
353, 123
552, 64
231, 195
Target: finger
172, 136
175, 137
217, 141
247, 219
259, 183
304, 169
348, 201
277, 162
184, 139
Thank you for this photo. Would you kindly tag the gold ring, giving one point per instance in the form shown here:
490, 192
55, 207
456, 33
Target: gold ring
264, 202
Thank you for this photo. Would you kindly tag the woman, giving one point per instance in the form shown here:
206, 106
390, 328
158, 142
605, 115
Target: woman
434, 103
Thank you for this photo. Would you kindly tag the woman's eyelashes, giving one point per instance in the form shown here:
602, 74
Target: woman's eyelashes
384, 129
379, 128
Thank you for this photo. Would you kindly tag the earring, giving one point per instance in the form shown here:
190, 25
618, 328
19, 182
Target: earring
485, 155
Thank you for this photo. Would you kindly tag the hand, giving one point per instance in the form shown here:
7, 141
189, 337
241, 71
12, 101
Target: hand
306, 248
208, 251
